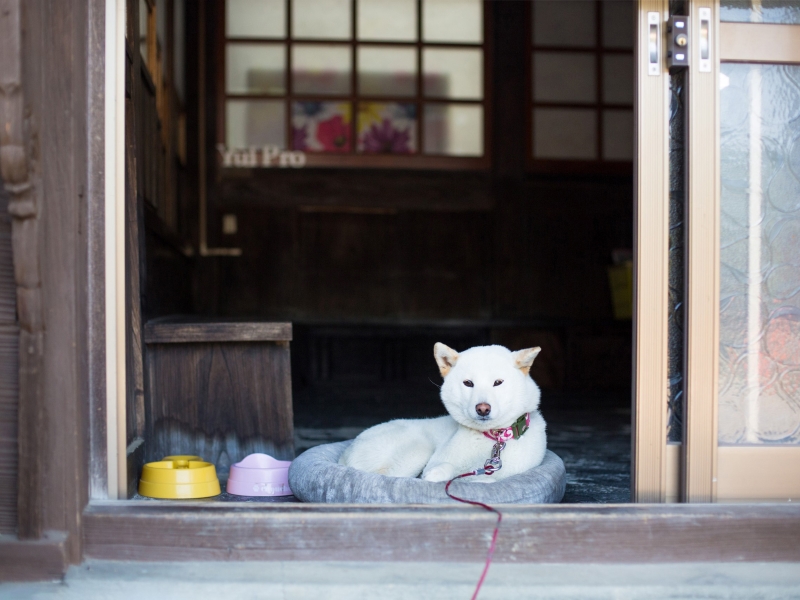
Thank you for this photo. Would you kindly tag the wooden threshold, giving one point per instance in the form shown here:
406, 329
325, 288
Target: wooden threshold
626, 533
33, 560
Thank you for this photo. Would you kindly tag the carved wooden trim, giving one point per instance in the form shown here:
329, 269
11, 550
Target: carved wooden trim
14, 170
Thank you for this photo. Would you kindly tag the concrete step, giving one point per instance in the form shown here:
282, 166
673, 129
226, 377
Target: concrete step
414, 581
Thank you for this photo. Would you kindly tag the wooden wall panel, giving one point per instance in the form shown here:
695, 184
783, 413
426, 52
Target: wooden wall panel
9, 375
9, 397
220, 400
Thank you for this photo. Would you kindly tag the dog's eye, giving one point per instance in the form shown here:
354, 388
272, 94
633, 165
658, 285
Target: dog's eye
497, 382
468, 383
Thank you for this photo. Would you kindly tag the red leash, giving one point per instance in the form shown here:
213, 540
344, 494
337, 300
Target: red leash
492, 546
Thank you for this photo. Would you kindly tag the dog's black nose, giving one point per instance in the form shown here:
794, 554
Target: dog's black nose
483, 409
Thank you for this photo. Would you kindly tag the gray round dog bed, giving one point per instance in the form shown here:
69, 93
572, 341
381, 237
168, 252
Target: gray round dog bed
317, 476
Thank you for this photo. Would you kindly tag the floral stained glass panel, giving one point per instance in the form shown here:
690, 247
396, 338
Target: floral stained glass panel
387, 128
321, 127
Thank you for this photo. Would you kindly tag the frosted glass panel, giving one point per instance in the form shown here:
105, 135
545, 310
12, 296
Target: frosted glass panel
255, 18
562, 23
322, 19
564, 77
255, 123
564, 133
761, 11
387, 71
387, 20
454, 129
321, 69
452, 21
321, 126
255, 69
387, 128
453, 73
618, 79
759, 368
618, 25
618, 135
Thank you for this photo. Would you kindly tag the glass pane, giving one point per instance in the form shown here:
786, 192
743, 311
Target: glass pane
322, 19
564, 23
452, 21
618, 135
321, 126
321, 69
677, 199
387, 71
387, 20
255, 123
618, 79
255, 69
453, 73
255, 18
759, 369
454, 129
618, 25
564, 77
144, 11
760, 11
564, 133
388, 128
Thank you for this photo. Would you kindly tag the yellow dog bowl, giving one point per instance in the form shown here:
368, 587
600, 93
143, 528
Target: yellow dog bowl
179, 477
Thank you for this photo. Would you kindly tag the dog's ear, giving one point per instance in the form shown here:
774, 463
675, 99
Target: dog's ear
445, 357
523, 359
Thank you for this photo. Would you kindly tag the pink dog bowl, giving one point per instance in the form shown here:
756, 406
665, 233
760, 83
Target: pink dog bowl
260, 475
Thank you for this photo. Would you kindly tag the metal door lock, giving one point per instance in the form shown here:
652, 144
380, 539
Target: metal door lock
678, 46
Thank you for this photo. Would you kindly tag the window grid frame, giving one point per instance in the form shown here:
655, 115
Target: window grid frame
418, 159
598, 165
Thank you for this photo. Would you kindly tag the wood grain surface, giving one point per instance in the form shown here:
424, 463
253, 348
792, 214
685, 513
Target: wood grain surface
549, 533
219, 400
176, 331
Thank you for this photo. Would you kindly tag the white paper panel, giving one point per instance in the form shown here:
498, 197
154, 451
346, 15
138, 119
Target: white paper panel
255, 18
322, 19
618, 78
618, 135
453, 73
564, 23
564, 77
564, 133
387, 71
453, 129
255, 123
255, 69
387, 20
452, 21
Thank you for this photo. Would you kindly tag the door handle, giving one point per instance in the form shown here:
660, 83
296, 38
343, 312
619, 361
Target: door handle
653, 43
704, 41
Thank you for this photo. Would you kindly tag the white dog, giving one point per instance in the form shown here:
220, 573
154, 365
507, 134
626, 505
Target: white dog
491, 399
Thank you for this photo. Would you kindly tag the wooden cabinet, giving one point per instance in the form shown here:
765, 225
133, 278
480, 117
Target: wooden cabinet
220, 390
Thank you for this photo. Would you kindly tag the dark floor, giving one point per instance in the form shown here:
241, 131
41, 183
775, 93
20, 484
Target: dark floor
594, 443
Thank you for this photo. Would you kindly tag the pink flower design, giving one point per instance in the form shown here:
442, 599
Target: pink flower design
334, 135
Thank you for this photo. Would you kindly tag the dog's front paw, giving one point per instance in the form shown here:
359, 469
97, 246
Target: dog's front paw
442, 472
